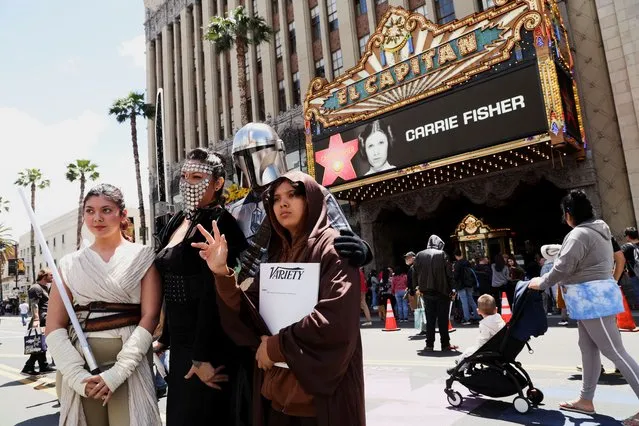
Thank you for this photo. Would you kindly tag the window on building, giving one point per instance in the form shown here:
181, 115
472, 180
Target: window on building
485, 4
254, 7
278, 45
315, 23
40, 251
297, 94
258, 52
261, 114
62, 238
338, 63
421, 10
281, 95
53, 241
362, 44
444, 10
333, 22
360, 7
249, 109
246, 66
275, 6
221, 125
40, 265
292, 40
232, 119
319, 68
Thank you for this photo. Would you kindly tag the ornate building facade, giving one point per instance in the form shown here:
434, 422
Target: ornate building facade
196, 90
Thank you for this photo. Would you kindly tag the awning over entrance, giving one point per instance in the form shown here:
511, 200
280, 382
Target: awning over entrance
431, 104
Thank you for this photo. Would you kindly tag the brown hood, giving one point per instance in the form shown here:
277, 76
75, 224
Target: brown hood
316, 218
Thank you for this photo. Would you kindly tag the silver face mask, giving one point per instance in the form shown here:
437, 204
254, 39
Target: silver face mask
192, 193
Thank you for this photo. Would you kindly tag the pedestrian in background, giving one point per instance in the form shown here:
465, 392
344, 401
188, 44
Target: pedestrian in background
374, 284
363, 305
384, 293
39, 298
484, 274
583, 269
516, 274
399, 289
549, 252
24, 311
434, 278
501, 275
465, 283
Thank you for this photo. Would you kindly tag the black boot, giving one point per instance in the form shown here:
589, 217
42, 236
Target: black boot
31, 371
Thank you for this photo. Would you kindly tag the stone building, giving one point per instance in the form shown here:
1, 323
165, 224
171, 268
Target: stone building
325, 38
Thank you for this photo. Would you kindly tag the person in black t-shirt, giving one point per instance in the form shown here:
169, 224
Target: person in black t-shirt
39, 300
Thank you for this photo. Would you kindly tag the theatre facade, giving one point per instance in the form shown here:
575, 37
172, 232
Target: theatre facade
472, 130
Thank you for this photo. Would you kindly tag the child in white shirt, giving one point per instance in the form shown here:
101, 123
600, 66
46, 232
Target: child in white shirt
490, 325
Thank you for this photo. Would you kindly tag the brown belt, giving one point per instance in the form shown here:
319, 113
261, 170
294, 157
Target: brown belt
124, 315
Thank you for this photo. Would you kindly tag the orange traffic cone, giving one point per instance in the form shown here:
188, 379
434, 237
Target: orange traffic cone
625, 322
391, 324
506, 314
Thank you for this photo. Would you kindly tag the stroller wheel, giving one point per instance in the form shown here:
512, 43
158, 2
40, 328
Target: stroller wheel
521, 405
455, 399
535, 396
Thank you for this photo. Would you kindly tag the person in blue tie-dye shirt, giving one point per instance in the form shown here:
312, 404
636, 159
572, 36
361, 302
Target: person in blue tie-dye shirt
584, 271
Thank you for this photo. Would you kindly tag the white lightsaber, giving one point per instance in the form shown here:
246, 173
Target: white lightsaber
86, 350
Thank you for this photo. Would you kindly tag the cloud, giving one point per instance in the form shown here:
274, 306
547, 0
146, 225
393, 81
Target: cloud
134, 48
29, 143
69, 66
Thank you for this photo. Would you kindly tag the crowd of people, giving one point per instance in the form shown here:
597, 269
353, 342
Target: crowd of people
197, 296
579, 279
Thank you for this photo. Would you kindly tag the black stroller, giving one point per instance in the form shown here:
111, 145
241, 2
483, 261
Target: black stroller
493, 370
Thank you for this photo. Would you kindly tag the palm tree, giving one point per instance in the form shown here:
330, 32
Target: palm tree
239, 29
83, 170
34, 179
7, 250
4, 205
129, 108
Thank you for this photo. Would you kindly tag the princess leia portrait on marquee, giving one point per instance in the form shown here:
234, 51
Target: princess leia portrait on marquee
375, 145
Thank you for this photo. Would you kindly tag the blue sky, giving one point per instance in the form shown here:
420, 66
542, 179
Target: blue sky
62, 65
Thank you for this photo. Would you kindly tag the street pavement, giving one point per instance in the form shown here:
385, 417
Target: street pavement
402, 387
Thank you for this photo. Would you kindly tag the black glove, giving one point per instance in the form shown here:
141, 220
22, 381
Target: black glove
351, 247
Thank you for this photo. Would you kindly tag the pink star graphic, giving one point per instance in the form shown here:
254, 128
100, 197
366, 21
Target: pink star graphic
336, 159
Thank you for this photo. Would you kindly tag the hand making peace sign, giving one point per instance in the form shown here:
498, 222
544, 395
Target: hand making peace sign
215, 250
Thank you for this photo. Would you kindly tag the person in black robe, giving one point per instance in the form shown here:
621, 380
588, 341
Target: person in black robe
209, 376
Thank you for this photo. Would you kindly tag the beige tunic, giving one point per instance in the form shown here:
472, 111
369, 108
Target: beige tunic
91, 279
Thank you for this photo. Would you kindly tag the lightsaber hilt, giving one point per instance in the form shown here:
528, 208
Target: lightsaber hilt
57, 279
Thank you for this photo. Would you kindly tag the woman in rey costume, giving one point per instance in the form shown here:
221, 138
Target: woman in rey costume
324, 385
116, 292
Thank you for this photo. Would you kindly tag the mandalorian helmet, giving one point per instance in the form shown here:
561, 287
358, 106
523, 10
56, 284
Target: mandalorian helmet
259, 155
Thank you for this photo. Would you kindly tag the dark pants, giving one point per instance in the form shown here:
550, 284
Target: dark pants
437, 315
509, 289
40, 358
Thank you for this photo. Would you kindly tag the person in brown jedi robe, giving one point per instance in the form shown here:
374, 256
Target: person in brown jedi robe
325, 383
